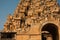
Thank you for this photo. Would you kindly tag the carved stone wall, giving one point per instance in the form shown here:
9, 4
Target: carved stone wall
30, 16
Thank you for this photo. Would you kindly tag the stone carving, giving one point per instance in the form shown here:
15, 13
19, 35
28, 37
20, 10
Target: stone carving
35, 20
30, 12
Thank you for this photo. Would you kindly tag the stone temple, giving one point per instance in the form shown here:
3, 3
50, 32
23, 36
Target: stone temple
33, 20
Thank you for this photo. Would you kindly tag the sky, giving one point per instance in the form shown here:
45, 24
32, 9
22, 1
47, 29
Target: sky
8, 7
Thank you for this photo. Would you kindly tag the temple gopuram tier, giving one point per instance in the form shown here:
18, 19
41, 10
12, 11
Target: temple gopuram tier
33, 20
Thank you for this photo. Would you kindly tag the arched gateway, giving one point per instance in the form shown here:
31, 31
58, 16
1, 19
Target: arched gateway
50, 32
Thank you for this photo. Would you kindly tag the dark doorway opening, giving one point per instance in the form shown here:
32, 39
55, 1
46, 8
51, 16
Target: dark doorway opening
52, 30
8, 35
43, 38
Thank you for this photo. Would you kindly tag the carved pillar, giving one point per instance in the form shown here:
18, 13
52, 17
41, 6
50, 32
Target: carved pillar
0, 35
40, 37
59, 33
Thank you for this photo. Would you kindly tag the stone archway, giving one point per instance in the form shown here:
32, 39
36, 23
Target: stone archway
50, 32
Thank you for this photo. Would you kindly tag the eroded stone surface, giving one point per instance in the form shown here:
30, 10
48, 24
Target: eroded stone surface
30, 16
